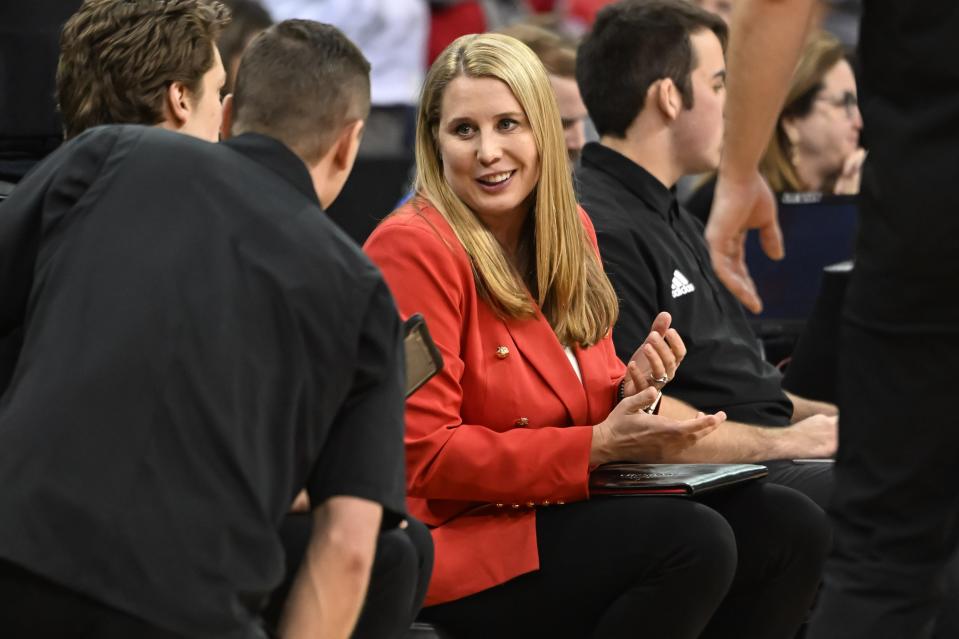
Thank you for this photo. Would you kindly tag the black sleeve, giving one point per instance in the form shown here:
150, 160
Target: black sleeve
364, 454
20, 218
635, 286
19, 239
42, 199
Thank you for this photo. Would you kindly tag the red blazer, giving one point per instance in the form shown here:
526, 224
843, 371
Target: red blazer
505, 428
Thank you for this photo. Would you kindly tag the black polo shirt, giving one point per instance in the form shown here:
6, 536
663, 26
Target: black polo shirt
200, 342
654, 254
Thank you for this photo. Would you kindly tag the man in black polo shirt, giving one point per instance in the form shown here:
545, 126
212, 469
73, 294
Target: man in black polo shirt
178, 88
895, 507
652, 75
200, 342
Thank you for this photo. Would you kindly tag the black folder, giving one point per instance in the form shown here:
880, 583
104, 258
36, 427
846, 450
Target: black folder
681, 480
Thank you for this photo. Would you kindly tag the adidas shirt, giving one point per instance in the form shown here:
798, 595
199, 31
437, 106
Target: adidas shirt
657, 260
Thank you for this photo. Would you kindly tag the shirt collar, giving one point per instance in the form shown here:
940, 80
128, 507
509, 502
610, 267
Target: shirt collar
277, 157
632, 176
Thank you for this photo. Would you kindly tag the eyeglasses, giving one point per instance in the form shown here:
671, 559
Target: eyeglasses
847, 101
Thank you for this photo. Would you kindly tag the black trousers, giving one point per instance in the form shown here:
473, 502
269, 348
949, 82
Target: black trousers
896, 500
742, 562
812, 480
398, 582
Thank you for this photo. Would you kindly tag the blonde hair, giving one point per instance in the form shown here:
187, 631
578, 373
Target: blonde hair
571, 287
821, 53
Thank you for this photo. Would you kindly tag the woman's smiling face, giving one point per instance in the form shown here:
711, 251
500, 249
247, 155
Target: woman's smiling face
487, 148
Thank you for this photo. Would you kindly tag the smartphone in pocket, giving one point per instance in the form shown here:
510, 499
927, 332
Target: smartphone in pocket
423, 359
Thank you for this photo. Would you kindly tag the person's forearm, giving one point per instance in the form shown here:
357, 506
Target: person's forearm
327, 595
803, 408
732, 442
766, 37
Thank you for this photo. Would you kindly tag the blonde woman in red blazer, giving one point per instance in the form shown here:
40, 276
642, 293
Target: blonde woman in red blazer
497, 256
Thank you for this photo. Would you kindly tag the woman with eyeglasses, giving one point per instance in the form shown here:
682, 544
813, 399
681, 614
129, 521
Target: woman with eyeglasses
815, 146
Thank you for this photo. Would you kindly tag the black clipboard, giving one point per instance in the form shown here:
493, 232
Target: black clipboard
680, 480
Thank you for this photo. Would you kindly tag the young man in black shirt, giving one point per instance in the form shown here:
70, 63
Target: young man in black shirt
176, 85
200, 342
652, 75
896, 498
152, 63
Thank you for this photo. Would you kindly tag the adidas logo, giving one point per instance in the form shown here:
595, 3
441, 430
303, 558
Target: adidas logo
681, 285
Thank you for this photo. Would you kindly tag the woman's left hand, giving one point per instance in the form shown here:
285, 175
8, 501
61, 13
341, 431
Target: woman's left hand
655, 362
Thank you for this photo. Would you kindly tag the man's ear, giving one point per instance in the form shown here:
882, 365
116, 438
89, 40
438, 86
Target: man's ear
226, 124
331, 171
347, 145
668, 98
178, 105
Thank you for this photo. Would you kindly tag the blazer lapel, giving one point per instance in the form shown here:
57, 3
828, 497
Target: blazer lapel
537, 342
600, 391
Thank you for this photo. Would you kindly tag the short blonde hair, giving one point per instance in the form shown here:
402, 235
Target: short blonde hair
571, 288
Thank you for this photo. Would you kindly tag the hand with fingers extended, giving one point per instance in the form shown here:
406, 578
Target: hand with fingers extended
631, 434
655, 362
740, 205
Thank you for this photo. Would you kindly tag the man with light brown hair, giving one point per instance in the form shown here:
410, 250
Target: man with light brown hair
151, 62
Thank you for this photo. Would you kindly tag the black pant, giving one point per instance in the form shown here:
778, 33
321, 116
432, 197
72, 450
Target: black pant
896, 498
812, 480
741, 563
32, 607
398, 582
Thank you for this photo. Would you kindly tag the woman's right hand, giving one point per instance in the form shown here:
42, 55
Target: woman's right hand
848, 181
630, 434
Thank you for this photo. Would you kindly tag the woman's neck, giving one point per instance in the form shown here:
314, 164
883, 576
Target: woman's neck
509, 237
510, 232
